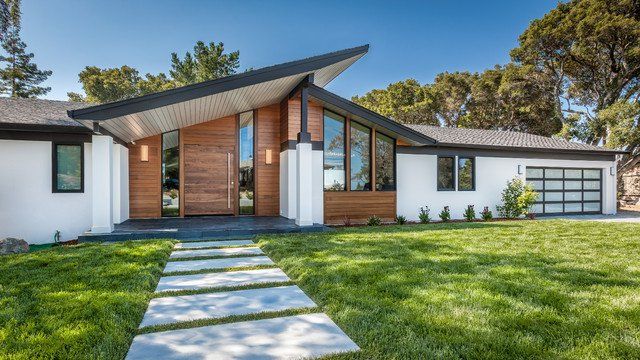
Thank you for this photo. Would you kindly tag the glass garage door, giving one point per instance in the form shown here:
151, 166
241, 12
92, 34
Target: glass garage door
566, 190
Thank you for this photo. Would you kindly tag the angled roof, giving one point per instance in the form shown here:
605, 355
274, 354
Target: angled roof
156, 113
25, 114
341, 105
500, 139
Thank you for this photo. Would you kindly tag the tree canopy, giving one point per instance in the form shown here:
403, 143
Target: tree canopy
208, 62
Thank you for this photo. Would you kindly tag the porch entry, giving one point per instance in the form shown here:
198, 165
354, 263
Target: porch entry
216, 169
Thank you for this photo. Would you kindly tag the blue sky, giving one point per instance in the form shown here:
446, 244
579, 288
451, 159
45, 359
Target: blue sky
408, 39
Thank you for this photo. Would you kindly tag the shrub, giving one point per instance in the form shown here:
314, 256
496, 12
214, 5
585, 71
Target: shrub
346, 221
401, 220
445, 214
424, 215
374, 221
517, 199
486, 214
470, 213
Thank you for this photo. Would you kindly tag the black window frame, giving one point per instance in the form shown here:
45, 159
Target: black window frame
344, 147
371, 180
395, 167
454, 169
473, 172
54, 166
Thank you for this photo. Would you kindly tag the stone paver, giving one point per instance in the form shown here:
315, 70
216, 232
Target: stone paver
168, 310
289, 337
206, 244
210, 264
231, 278
216, 252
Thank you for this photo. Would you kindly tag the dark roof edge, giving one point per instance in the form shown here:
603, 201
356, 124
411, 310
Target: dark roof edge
355, 109
184, 93
69, 129
533, 149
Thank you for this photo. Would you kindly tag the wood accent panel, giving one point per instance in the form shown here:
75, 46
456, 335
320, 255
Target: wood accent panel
205, 148
400, 142
145, 179
267, 176
284, 120
358, 206
291, 127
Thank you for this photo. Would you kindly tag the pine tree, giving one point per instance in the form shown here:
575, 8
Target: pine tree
20, 77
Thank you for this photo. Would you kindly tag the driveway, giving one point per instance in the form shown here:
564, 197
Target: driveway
621, 216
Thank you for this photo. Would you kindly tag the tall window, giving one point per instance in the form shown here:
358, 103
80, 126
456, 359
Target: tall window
334, 154
385, 163
466, 176
360, 145
171, 173
68, 164
246, 173
446, 173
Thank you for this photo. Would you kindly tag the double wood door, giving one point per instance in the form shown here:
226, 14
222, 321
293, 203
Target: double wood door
210, 168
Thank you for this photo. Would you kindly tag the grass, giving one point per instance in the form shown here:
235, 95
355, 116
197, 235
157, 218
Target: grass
527, 289
77, 302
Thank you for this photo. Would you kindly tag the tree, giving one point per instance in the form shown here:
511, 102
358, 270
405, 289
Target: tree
9, 16
208, 62
20, 77
591, 50
453, 95
113, 84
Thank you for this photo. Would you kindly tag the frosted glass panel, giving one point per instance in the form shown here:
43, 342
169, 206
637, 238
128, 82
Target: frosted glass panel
553, 208
534, 173
573, 174
552, 196
592, 185
573, 207
537, 184
592, 206
591, 195
553, 173
553, 185
573, 196
592, 174
573, 185
536, 208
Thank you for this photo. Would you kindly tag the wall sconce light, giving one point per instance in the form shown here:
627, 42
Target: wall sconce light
144, 152
519, 169
612, 170
268, 159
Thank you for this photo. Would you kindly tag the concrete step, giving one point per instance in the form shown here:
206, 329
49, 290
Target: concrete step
211, 264
221, 279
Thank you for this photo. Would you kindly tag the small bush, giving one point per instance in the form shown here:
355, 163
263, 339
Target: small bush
486, 214
374, 221
424, 215
445, 214
346, 221
517, 199
470, 213
401, 220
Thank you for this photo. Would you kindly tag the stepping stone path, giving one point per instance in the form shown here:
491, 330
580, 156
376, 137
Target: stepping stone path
285, 337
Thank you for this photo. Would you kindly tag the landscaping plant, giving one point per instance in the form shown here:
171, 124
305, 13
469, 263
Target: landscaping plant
424, 215
445, 214
470, 213
401, 220
517, 199
486, 214
346, 221
374, 221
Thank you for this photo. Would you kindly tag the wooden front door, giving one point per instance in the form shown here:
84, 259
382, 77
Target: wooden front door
210, 168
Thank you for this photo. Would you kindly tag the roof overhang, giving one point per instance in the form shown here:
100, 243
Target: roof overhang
153, 114
367, 117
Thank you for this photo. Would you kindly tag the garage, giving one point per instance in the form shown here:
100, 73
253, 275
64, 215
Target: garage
566, 190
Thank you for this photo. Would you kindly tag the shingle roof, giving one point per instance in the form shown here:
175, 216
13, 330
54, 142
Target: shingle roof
38, 112
501, 139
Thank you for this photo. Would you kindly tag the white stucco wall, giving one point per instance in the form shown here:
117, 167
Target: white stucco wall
416, 177
288, 186
120, 183
28, 208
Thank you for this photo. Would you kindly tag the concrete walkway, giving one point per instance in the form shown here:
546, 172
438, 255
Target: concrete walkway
284, 337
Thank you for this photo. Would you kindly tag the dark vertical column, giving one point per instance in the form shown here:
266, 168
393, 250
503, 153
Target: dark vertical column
304, 136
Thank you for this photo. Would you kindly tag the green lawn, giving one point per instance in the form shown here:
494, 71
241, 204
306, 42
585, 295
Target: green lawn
525, 289
78, 302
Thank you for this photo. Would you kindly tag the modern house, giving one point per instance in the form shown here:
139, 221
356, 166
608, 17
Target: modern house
267, 142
